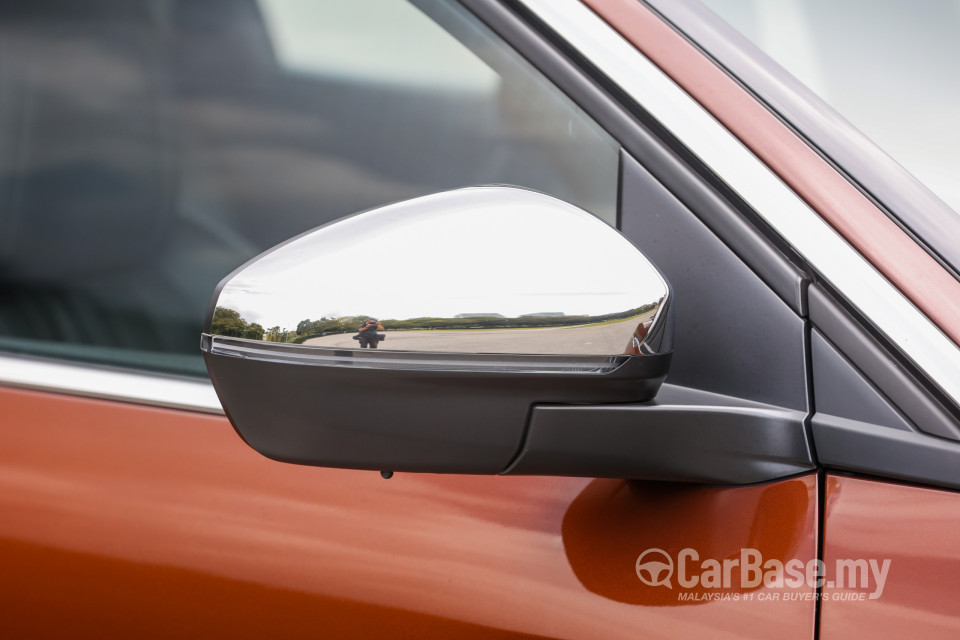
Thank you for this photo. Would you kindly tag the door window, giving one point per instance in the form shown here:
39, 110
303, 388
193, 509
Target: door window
149, 148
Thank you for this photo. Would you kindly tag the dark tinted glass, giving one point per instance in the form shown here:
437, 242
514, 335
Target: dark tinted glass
149, 148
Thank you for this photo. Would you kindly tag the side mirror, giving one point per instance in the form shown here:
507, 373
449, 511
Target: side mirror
421, 335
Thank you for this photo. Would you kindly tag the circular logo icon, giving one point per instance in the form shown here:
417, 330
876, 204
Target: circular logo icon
655, 568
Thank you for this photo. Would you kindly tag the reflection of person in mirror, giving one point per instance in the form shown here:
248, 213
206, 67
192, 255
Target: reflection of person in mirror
368, 335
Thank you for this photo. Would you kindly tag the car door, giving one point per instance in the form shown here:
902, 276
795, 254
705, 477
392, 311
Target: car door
885, 420
130, 505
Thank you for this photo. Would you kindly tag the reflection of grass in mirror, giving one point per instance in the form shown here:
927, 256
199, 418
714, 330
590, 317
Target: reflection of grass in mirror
307, 329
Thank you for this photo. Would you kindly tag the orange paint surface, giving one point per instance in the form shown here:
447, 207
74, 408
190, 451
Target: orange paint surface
126, 521
918, 531
911, 269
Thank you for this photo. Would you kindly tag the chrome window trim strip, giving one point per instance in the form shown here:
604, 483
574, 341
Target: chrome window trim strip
787, 213
111, 384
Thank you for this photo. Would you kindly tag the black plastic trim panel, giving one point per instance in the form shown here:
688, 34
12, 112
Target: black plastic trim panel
683, 435
892, 377
734, 335
352, 416
842, 390
850, 445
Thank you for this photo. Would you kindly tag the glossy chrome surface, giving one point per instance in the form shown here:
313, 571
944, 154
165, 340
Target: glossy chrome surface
138, 522
848, 271
482, 270
383, 359
112, 384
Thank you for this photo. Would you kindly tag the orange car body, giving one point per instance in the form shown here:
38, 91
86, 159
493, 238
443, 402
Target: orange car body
132, 521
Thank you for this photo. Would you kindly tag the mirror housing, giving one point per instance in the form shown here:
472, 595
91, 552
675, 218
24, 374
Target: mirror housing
419, 336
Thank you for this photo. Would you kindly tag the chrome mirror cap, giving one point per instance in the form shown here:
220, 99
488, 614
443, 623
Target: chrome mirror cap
483, 270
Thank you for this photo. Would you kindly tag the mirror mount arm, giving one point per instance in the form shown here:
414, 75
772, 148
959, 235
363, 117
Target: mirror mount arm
684, 435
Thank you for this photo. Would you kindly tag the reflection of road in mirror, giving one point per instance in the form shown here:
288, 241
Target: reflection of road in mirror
654, 543
576, 340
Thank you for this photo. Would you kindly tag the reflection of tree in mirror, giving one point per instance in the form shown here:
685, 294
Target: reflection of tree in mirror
307, 329
276, 334
227, 322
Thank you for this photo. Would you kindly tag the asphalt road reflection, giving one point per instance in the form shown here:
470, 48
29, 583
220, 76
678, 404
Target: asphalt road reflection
606, 339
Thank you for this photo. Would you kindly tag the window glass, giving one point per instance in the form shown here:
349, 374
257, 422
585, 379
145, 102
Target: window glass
149, 148
888, 66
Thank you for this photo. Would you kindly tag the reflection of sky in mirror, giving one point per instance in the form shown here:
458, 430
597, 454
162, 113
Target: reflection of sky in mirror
450, 254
